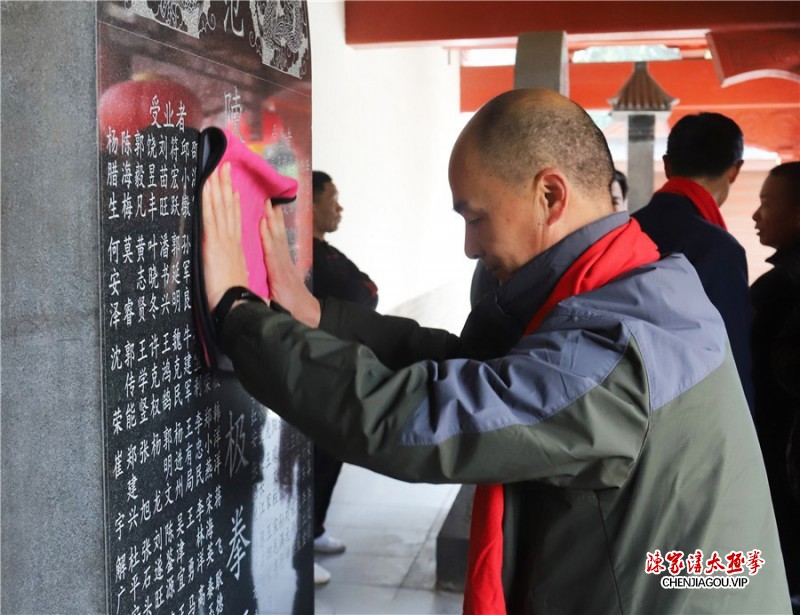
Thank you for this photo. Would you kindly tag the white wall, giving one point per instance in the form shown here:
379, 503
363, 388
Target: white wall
384, 121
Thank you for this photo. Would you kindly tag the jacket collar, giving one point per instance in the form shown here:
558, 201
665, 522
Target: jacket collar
786, 254
499, 319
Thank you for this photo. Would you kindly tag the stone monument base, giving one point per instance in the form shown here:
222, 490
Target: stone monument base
452, 543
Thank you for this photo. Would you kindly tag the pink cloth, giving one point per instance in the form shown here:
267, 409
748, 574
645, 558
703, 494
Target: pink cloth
255, 181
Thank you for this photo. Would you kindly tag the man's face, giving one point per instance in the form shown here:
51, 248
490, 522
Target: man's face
503, 228
327, 211
617, 200
778, 219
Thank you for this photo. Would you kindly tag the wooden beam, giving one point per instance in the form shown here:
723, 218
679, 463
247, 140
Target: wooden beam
743, 55
694, 82
768, 110
382, 22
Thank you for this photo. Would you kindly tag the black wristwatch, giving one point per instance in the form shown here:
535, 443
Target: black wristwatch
231, 296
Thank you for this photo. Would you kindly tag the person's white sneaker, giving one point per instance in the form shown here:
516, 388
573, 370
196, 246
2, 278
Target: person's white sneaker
321, 576
328, 545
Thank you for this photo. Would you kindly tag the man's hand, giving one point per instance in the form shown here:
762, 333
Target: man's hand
223, 259
285, 283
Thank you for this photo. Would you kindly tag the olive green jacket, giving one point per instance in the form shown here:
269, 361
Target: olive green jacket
619, 428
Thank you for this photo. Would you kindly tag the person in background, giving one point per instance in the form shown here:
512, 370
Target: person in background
592, 397
776, 357
619, 191
334, 275
703, 159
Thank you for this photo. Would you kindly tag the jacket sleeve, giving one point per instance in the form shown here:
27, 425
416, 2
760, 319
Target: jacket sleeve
533, 414
396, 342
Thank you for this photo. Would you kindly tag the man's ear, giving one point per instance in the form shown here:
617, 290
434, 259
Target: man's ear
667, 166
733, 172
552, 190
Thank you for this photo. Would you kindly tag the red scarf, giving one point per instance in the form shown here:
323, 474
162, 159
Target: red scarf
623, 249
703, 201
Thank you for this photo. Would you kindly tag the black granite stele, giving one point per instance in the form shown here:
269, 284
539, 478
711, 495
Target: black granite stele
134, 481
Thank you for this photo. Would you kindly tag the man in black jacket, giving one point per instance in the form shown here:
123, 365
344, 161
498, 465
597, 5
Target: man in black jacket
776, 357
334, 275
703, 159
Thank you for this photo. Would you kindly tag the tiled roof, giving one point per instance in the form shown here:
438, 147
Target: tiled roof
642, 93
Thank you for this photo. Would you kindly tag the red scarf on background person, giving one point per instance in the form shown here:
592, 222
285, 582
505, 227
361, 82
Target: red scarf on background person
617, 252
703, 201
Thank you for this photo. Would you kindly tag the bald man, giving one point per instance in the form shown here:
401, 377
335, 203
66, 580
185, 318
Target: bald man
592, 396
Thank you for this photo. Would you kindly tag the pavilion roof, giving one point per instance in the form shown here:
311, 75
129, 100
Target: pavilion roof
642, 93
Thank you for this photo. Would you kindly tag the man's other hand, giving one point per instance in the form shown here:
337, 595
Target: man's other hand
285, 283
223, 259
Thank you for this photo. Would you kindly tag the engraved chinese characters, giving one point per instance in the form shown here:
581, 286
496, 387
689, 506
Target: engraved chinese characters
166, 544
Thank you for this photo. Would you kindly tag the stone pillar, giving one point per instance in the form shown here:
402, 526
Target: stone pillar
542, 61
641, 134
133, 479
52, 431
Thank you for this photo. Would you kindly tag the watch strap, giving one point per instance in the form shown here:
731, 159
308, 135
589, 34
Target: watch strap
231, 296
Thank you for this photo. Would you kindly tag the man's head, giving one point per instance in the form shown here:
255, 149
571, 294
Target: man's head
327, 211
778, 218
528, 169
706, 148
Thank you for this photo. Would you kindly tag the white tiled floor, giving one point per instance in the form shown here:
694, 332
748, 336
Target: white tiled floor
390, 529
